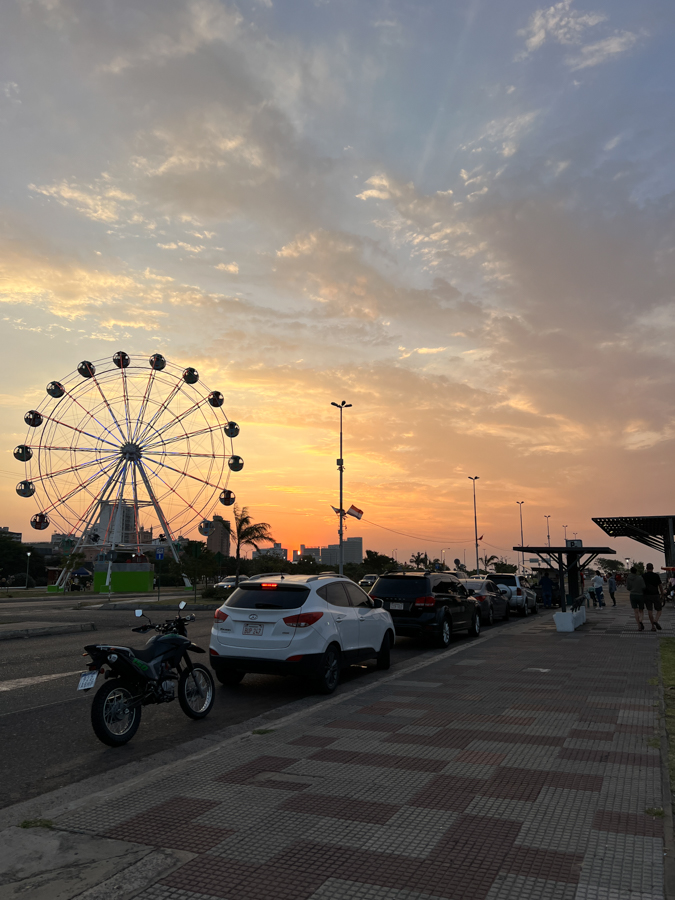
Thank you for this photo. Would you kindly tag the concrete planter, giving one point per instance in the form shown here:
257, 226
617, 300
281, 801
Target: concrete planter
569, 621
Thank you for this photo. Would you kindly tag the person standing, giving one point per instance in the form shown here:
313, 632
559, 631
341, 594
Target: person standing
653, 596
546, 590
636, 589
611, 587
598, 584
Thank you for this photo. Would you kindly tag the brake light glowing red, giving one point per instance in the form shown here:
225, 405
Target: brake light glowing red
271, 586
303, 620
425, 601
219, 615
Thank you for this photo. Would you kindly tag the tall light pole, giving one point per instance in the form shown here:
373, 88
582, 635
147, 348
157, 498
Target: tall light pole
341, 468
522, 542
28, 552
548, 530
475, 478
443, 554
565, 530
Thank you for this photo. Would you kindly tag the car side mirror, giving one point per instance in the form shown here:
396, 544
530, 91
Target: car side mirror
377, 603
182, 604
138, 613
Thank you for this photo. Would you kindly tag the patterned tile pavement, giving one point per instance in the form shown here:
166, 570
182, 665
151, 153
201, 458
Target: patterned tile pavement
416, 790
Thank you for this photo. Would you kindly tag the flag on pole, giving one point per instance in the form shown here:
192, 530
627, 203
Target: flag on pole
480, 538
338, 511
355, 511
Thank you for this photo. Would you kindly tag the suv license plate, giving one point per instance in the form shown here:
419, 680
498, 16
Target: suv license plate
252, 629
87, 680
396, 606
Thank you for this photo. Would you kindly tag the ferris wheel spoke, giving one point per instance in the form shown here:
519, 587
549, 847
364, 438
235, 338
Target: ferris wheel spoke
135, 494
79, 431
163, 407
69, 448
179, 418
90, 414
76, 468
174, 491
144, 404
125, 390
180, 453
76, 490
171, 468
181, 437
108, 407
118, 505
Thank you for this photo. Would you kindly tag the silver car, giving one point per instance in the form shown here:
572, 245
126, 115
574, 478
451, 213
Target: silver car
522, 596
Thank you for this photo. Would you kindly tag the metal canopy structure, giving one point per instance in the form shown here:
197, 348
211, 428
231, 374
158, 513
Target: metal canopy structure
655, 532
576, 558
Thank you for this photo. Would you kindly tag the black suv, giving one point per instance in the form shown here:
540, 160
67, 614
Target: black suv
427, 604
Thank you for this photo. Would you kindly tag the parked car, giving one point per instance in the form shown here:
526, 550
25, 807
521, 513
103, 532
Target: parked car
307, 625
368, 581
521, 595
492, 601
227, 583
428, 604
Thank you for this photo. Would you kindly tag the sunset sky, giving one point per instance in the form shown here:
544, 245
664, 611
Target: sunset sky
455, 215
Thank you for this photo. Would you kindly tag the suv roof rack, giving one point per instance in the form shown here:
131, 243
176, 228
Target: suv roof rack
264, 575
326, 575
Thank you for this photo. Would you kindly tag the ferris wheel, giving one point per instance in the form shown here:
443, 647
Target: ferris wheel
122, 452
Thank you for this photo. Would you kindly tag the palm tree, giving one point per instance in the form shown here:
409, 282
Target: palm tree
488, 561
417, 559
248, 534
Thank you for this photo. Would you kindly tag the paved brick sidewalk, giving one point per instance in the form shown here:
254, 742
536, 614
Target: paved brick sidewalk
519, 768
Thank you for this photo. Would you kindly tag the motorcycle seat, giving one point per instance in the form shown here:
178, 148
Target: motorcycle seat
147, 654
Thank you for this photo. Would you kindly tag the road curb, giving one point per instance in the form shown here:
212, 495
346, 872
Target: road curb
46, 631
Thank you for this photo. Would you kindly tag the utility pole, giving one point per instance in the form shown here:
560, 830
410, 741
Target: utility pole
341, 468
565, 530
474, 479
522, 542
548, 531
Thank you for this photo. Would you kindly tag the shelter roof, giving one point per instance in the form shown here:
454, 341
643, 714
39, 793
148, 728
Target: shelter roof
648, 530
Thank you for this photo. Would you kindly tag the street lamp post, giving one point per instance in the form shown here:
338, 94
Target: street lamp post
443, 554
522, 542
565, 530
28, 552
340, 464
475, 478
548, 530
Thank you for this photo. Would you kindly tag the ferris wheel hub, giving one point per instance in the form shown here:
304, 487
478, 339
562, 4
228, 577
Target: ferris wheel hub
131, 451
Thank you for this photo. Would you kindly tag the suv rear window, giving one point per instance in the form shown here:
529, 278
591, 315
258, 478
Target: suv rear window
268, 596
401, 586
505, 579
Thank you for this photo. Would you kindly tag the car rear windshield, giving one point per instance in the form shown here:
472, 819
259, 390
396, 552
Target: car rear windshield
268, 596
401, 587
504, 579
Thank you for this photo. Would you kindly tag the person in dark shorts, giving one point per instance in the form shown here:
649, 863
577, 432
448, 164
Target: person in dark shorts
611, 587
636, 588
653, 596
546, 590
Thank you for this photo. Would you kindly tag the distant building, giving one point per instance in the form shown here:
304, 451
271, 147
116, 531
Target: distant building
307, 551
14, 535
219, 541
277, 550
352, 552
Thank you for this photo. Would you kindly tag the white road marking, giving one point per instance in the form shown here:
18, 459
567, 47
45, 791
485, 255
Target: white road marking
35, 679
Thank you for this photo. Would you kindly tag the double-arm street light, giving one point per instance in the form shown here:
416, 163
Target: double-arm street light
340, 464
522, 542
548, 531
475, 478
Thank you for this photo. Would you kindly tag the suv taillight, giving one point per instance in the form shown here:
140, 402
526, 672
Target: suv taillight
303, 620
425, 601
219, 615
519, 593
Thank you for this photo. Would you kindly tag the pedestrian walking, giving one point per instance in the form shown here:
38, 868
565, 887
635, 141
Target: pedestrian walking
546, 590
598, 584
636, 589
611, 587
653, 596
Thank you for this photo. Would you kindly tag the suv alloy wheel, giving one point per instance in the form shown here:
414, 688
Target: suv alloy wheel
328, 672
474, 630
444, 634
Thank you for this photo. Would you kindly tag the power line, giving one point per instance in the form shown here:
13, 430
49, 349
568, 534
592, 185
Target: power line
418, 537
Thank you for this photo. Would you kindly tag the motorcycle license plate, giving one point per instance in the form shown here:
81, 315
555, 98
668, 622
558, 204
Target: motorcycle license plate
396, 606
252, 629
87, 680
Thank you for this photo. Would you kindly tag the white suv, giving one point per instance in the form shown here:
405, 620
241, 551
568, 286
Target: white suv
522, 598
308, 625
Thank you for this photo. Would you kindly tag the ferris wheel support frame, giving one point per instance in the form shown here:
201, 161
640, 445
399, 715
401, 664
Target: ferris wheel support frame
162, 519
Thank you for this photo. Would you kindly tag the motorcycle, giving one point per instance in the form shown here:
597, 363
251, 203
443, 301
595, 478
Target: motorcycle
137, 678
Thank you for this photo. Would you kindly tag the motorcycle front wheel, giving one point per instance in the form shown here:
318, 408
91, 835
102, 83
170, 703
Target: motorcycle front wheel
114, 718
196, 691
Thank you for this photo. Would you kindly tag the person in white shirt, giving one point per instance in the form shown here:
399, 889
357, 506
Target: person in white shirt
598, 583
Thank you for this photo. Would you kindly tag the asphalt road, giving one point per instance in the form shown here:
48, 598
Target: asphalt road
45, 733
